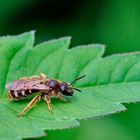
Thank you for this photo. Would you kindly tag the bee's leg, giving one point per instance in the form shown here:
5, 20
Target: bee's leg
30, 105
43, 75
48, 101
10, 97
24, 78
34, 76
61, 96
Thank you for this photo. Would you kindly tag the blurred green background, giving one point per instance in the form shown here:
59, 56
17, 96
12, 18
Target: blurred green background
115, 23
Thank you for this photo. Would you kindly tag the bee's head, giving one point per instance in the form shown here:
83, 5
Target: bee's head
67, 89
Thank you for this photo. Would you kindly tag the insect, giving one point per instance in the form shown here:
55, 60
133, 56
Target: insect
43, 87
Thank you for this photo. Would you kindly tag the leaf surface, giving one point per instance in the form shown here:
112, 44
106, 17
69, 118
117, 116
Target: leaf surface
109, 82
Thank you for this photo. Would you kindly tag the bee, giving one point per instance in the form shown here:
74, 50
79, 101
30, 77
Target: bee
44, 88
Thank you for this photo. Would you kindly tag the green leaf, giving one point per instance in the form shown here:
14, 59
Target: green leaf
109, 82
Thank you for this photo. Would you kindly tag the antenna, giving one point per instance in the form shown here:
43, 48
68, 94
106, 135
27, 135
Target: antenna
76, 89
77, 80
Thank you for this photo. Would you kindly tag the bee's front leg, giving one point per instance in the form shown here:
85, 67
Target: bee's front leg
61, 96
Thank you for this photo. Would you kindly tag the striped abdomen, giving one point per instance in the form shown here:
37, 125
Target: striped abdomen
14, 95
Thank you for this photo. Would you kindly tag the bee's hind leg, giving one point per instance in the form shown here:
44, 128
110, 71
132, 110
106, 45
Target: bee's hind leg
24, 78
34, 77
30, 105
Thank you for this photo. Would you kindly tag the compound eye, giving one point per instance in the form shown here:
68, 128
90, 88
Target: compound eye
53, 84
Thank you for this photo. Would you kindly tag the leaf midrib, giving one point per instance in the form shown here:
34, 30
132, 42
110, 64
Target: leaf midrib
99, 86
106, 85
